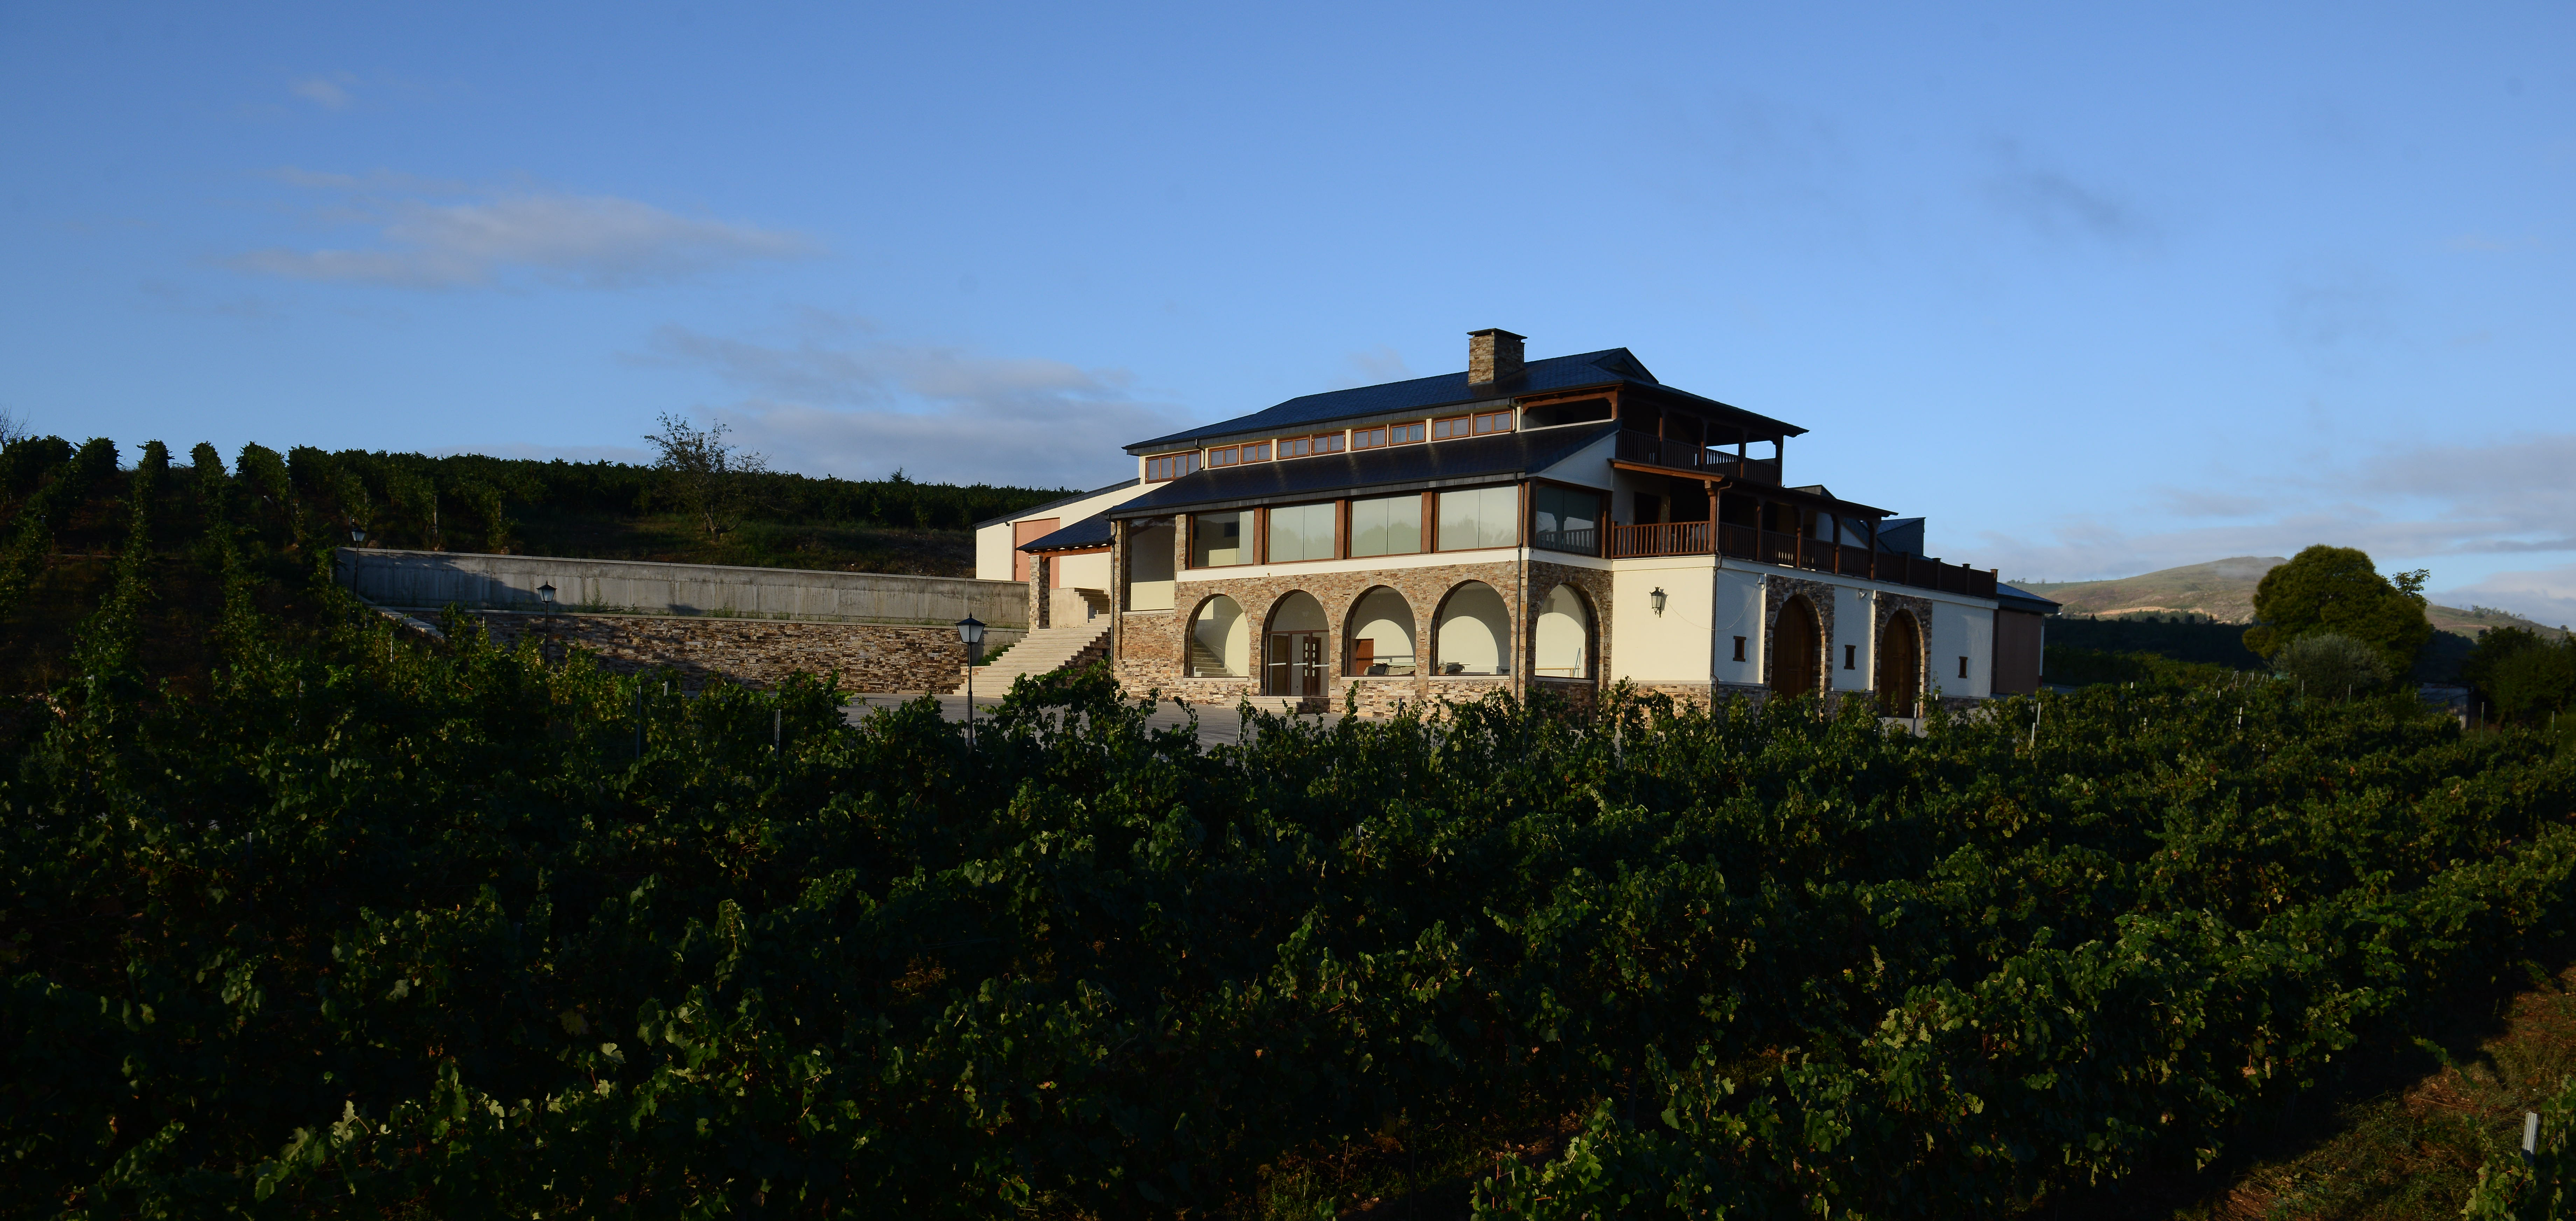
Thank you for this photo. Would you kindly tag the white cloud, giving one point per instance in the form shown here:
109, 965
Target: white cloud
832, 399
2547, 595
328, 92
590, 241
2414, 505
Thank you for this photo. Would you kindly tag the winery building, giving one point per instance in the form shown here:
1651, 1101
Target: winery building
1558, 524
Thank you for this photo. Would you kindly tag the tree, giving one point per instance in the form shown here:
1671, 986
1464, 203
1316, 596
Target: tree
2330, 663
704, 470
2523, 676
2335, 589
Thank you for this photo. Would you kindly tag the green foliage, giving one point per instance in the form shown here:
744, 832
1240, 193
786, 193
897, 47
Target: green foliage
374, 927
2335, 589
2192, 638
2539, 1185
2084, 667
2523, 676
2330, 664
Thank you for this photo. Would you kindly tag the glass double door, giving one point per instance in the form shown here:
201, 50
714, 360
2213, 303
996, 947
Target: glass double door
1295, 664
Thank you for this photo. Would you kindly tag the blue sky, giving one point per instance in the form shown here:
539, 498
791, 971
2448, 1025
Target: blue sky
2096, 288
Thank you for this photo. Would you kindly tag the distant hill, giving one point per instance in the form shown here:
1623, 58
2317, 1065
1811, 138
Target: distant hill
2224, 590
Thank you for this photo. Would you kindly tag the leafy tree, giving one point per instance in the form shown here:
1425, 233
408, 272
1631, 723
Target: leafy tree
705, 470
2331, 663
2335, 589
2523, 676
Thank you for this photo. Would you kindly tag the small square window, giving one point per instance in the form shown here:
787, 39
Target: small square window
1963, 667
1739, 648
1850, 653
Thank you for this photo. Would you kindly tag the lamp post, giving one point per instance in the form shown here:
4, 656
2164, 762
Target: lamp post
971, 631
546, 593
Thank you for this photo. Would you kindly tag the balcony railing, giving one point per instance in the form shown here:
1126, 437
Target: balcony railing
1792, 551
1586, 541
1647, 449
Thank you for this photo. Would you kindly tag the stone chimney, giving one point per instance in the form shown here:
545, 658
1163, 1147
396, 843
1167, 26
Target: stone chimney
1492, 355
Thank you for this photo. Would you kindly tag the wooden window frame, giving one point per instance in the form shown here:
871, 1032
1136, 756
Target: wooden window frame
1453, 427
1189, 456
1506, 416
1341, 514
1520, 530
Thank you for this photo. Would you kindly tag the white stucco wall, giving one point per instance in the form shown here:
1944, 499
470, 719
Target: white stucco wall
1739, 613
993, 552
1963, 631
1085, 571
1852, 622
1671, 647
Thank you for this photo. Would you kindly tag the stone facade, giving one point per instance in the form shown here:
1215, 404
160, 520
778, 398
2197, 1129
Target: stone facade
753, 652
1884, 607
1776, 592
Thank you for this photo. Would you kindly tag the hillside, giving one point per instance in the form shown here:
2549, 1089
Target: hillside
2224, 590
65, 514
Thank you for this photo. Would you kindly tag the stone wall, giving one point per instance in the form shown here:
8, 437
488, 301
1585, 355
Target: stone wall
432, 580
753, 652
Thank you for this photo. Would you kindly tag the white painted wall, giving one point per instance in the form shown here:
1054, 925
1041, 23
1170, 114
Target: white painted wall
1738, 600
1853, 619
1589, 466
1564, 630
1671, 647
1963, 631
993, 552
1474, 631
1085, 571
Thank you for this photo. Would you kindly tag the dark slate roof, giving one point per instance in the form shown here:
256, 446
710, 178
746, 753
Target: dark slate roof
1397, 400
2010, 598
1399, 468
1061, 500
1092, 531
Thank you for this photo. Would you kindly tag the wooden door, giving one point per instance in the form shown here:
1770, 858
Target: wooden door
1900, 666
1795, 639
1295, 664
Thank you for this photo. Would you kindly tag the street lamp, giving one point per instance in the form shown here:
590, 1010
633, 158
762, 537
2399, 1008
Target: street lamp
971, 630
357, 535
546, 594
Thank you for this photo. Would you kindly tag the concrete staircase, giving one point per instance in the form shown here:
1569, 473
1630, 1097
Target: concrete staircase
1043, 651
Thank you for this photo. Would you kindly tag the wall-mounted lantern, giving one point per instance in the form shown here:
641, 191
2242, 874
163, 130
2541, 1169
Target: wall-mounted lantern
1658, 598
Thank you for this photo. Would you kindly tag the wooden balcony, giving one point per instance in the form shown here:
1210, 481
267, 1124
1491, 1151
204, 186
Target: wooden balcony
1792, 551
1683, 457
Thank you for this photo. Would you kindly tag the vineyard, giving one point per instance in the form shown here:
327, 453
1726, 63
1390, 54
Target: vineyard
356, 924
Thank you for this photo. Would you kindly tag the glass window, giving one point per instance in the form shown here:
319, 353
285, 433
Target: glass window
1301, 532
1566, 519
1367, 438
1258, 451
1399, 434
1386, 525
1216, 540
1485, 517
1171, 466
1223, 457
1442, 430
1493, 421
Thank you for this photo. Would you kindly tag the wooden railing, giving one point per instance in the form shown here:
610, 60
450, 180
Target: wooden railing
1792, 551
1586, 541
1647, 449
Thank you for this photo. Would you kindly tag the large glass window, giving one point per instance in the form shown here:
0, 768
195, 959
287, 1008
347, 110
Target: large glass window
1217, 539
1485, 517
1565, 519
1386, 525
1301, 532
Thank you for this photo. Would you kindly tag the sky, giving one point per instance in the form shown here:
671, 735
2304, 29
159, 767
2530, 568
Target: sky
2097, 289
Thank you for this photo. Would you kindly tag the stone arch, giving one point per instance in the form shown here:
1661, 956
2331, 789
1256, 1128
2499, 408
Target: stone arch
1380, 636
1295, 644
1219, 640
1900, 665
1472, 632
1796, 647
1561, 645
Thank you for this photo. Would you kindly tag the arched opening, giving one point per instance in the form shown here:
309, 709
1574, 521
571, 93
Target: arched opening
1900, 665
1564, 644
1220, 641
1293, 664
1473, 632
1381, 635
1795, 638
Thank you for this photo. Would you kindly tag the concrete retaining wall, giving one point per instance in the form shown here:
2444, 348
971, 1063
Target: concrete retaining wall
432, 580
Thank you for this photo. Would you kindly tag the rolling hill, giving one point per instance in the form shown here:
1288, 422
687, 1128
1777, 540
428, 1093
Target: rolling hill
2224, 590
